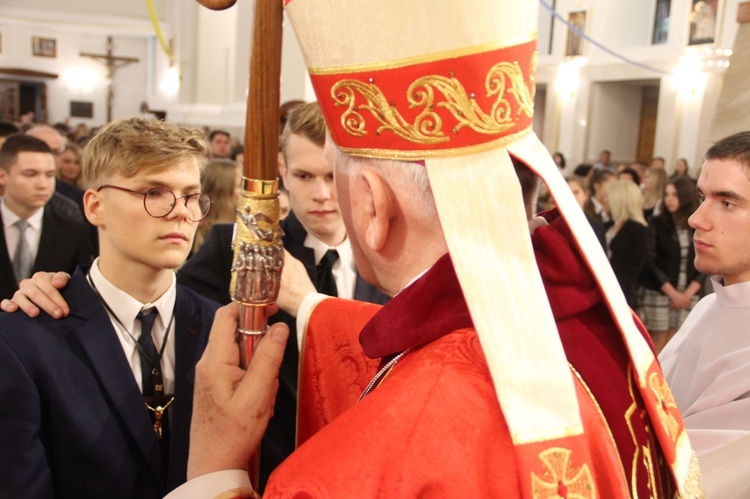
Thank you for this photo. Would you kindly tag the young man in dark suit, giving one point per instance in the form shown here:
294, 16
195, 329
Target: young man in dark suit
35, 236
102, 399
313, 226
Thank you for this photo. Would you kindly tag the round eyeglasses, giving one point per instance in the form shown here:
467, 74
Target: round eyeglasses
160, 201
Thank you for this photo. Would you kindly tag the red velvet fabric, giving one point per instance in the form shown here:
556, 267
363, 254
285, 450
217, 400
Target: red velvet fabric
433, 428
333, 372
434, 306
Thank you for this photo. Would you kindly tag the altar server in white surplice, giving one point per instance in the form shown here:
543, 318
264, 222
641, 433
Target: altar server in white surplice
707, 363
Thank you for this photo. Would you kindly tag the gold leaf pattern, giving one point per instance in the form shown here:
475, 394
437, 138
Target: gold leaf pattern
665, 405
561, 479
504, 80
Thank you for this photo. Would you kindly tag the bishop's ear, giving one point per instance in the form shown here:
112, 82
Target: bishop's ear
379, 208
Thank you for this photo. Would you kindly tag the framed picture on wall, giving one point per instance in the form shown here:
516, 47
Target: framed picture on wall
703, 14
81, 109
661, 22
574, 45
43, 47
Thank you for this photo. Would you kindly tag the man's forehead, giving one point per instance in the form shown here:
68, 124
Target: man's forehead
29, 159
714, 171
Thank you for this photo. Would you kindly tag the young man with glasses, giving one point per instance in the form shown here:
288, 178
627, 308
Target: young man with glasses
98, 408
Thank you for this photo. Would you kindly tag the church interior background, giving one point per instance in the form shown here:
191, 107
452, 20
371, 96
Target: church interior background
641, 78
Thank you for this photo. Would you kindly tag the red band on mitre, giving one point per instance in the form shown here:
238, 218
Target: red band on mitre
436, 108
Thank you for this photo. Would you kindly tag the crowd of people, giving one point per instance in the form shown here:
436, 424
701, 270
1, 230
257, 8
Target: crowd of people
642, 223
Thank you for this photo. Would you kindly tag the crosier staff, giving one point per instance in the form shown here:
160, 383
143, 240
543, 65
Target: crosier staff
258, 250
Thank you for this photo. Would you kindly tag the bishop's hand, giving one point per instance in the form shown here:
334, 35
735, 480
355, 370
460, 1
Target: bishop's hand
231, 406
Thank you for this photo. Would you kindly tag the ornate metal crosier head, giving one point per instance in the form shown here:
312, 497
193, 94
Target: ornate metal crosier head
258, 252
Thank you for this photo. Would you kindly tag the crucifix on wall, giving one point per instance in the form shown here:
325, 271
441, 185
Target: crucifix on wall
113, 63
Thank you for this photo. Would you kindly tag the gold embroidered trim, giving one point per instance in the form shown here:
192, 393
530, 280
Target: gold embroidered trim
646, 449
693, 484
405, 155
504, 79
665, 405
560, 478
241, 493
425, 59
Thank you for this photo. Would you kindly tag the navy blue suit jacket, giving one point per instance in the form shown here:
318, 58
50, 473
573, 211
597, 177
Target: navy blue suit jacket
73, 422
208, 273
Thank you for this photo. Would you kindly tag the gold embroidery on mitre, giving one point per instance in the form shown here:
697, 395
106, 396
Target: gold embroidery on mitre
505, 79
665, 405
560, 478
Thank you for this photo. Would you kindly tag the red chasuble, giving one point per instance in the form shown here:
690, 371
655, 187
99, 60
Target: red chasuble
434, 425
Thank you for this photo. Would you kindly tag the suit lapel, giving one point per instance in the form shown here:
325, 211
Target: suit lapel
49, 240
294, 242
100, 342
189, 341
7, 279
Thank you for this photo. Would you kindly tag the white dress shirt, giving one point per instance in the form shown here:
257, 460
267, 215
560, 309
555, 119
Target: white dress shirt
344, 270
126, 308
33, 233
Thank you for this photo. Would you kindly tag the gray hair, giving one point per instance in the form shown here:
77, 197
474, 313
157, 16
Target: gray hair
406, 177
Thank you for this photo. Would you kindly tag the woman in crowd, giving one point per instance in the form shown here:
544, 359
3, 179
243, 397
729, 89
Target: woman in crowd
597, 207
670, 281
221, 181
627, 239
681, 168
559, 160
578, 188
70, 165
628, 173
656, 180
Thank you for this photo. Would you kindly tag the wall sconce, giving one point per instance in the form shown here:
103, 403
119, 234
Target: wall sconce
81, 79
170, 83
568, 78
689, 78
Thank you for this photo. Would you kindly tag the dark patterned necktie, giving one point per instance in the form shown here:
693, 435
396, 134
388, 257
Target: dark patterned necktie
147, 350
324, 271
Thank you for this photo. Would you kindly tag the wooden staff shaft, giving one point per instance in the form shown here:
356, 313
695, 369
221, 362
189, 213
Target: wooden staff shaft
262, 124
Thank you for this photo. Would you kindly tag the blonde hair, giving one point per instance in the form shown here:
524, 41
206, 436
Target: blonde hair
307, 121
654, 187
626, 202
75, 149
219, 180
130, 146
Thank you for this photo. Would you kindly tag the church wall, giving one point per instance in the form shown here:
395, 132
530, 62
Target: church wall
613, 122
212, 52
684, 116
82, 78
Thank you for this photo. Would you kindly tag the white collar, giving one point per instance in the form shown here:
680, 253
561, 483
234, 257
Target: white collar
125, 307
732, 296
344, 250
10, 218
